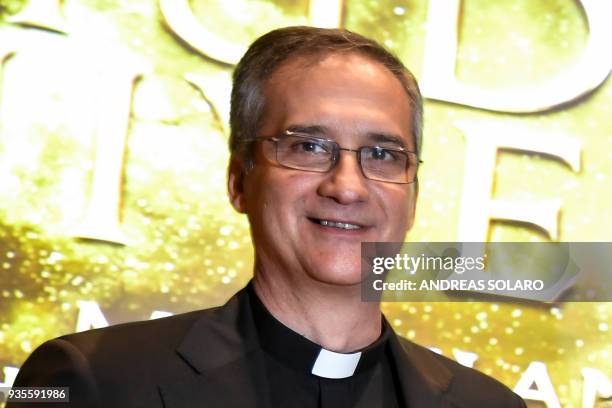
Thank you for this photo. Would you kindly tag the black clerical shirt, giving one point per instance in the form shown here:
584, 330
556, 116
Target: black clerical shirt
290, 358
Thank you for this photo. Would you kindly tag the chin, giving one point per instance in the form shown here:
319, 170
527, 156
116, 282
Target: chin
340, 275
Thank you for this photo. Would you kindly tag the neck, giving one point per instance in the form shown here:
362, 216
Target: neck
332, 316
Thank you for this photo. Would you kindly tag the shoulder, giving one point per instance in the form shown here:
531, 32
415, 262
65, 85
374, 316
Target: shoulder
136, 338
467, 387
142, 345
148, 344
97, 364
114, 352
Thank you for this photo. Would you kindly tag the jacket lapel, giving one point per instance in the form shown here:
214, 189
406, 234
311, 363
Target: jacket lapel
422, 378
228, 368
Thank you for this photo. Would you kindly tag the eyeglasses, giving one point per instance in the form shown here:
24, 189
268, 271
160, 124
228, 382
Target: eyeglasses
300, 151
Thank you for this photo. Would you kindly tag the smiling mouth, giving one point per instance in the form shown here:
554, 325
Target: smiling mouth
336, 224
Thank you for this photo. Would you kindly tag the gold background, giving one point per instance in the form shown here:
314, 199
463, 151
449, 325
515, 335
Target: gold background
186, 247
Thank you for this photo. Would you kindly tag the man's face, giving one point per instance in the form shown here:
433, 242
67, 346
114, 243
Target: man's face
352, 100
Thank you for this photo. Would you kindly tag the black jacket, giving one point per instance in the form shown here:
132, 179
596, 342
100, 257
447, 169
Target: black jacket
212, 358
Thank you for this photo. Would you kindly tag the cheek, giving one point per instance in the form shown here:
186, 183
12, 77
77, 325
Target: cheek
399, 204
277, 195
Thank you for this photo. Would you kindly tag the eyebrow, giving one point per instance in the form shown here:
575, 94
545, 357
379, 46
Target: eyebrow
387, 138
314, 130
373, 137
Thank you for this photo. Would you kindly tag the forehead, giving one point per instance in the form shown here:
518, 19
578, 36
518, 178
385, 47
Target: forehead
347, 93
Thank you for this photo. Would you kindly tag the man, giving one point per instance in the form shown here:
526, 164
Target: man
326, 133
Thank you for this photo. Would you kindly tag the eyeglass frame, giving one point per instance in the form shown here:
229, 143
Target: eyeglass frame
336, 154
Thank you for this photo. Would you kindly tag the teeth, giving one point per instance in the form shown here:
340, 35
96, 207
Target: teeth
343, 225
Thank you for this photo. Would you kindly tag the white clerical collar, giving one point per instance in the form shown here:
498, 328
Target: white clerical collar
335, 365
296, 351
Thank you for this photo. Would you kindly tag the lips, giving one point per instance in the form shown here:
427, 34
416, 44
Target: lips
340, 224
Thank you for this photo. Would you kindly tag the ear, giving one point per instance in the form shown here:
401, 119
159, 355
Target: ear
236, 173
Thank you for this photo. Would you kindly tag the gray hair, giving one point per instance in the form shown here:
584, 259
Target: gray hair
269, 51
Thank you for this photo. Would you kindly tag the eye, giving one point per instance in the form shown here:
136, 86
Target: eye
309, 146
380, 154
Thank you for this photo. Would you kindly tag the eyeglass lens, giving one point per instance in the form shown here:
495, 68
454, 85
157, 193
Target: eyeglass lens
313, 154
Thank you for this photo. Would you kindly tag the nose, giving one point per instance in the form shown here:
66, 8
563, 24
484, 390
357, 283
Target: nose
345, 183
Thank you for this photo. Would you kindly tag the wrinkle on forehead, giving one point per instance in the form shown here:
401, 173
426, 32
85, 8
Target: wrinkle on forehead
346, 91
298, 74
356, 62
